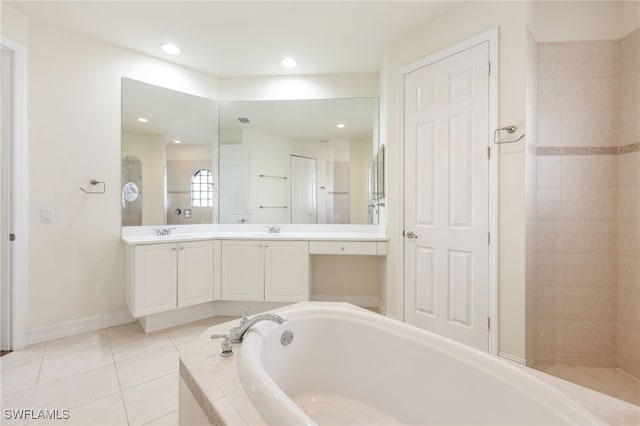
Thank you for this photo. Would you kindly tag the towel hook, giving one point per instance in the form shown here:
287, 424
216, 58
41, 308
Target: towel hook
95, 182
509, 129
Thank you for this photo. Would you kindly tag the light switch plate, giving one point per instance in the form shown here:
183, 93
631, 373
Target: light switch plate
46, 215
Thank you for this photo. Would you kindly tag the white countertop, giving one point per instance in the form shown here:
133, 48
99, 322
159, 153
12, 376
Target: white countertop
146, 234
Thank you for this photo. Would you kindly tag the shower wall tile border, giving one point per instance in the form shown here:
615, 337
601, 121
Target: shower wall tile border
583, 150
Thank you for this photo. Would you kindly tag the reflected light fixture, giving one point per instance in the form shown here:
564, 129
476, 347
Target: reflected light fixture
177, 141
170, 48
340, 125
288, 62
142, 120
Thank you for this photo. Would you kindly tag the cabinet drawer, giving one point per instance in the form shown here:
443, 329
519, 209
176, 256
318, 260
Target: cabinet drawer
343, 247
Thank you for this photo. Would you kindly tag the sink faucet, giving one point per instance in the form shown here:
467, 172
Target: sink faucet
163, 231
237, 333
274, 229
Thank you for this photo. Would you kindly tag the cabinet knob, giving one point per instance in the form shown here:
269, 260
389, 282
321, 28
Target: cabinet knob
342, 248
181, 248
174, 249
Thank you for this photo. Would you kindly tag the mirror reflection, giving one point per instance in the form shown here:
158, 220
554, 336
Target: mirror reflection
169, 145
192, 160
302, 161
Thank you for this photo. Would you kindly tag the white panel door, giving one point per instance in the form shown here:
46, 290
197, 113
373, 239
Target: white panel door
233, 184
195, 273
155, 278
447, 196
242, 270
286, 271
303, 190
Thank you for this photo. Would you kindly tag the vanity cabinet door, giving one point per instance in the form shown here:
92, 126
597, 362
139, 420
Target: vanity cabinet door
155, 278
195, 273
286, 271
242, 270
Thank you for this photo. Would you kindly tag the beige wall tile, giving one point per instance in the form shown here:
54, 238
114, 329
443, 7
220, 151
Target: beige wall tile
628, 237
629, 309
589, 171
549, 172
628, 349
628, 170
630, 53
628, 204
575, 304
588, 204
628, 274
589, 128
630, 125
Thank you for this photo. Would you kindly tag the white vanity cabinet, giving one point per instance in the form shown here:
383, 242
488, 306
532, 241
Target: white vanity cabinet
274, 271
162, 277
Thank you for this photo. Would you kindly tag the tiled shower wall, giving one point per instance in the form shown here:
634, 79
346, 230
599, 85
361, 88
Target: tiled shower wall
587, 160
628, 315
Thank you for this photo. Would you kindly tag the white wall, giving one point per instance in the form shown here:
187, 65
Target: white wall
456, 25
268, 155
300, 87
76, 264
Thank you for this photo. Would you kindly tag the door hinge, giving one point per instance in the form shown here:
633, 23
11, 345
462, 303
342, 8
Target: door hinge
489, 152
488, 323
12, 237
489, 238
404, 233
489, 68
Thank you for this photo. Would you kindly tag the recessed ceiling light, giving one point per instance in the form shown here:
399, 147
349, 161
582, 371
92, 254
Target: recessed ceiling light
142, 120
288, 62
340, 125
177, 141
171, 48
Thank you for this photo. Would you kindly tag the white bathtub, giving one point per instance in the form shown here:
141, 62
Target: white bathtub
350, 366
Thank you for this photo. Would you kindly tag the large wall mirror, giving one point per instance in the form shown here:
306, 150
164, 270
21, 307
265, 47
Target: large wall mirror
197, 160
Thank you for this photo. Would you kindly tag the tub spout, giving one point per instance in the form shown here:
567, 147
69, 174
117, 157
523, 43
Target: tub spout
237, 333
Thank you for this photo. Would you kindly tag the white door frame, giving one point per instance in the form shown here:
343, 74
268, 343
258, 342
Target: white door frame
490, 36
19, 188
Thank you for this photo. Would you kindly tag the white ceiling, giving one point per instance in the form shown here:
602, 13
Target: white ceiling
229, 39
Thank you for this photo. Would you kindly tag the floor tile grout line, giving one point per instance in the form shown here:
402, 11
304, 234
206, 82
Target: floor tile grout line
146, 353
158, 418
35, 391
148, 381
81, 348
115, 367
75, 374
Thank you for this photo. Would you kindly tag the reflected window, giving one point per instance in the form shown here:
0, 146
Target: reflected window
202, 188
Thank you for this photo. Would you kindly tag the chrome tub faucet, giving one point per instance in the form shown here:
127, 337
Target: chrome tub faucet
236, 334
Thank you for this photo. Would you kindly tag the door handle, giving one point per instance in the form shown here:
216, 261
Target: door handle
411, 235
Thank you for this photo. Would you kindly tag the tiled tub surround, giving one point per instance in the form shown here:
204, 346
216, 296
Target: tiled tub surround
588, 204
210, 391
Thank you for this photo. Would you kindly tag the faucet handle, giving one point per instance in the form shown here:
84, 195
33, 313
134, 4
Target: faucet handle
244, 319
226, 347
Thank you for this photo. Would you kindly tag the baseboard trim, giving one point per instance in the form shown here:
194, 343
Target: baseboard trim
79, 326
362, 301
512, 358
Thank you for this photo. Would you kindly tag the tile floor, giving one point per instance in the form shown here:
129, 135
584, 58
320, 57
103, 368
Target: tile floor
609, 381
116, 376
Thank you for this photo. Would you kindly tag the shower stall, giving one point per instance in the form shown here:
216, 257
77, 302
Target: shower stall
131, 191
583, 210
